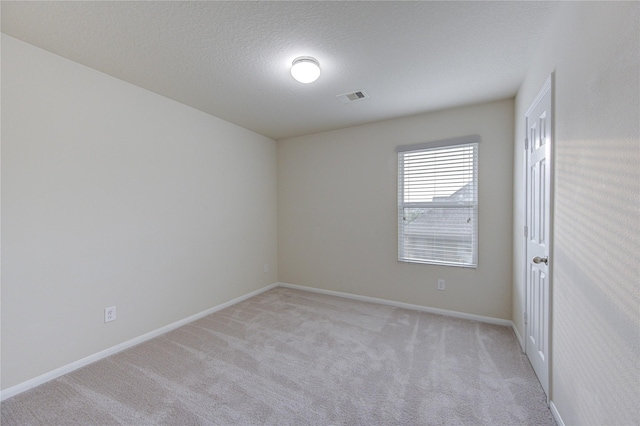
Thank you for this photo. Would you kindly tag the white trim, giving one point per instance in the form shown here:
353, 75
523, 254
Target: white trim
525, 240
556, 414
36, 381
517, 333
438, 144
437, 311
541, 93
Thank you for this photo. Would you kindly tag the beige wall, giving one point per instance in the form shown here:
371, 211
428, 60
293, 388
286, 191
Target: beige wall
594, 50
337, 212
112, 195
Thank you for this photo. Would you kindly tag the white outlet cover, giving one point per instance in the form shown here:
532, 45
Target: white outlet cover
110, 314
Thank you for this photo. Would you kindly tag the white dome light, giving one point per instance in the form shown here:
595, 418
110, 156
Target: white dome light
305, 69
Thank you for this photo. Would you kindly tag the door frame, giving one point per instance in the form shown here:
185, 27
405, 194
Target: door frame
549, 85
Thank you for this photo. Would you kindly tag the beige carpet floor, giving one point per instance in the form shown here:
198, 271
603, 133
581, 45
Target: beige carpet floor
289, 357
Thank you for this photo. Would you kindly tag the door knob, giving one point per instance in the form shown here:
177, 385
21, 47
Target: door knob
539, 259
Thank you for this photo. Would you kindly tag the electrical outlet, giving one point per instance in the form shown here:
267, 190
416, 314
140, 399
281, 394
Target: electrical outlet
266, 267
440, 284
110, 314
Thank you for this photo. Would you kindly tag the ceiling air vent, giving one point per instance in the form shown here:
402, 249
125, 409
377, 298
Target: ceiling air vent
347, 98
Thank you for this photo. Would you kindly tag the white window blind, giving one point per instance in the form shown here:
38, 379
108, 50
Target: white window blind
438, 202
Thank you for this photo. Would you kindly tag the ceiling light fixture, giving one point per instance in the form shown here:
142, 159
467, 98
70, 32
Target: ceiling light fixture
305, 69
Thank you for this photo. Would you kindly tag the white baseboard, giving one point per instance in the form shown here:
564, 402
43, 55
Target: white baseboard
445, 312
36, 381
556, 414
517, 333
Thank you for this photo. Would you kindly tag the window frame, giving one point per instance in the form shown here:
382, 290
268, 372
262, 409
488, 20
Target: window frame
472, 140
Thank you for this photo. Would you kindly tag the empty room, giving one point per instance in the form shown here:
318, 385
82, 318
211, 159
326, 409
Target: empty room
320, 213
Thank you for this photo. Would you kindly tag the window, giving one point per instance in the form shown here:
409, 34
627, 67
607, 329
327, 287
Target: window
438, 202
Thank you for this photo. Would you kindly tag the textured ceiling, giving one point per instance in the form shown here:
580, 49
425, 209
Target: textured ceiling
231, 59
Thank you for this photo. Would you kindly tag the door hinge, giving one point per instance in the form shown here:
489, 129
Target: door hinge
526, 143
526, 231
525, 318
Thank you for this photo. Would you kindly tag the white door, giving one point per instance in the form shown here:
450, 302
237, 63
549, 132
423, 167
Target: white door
538, 158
